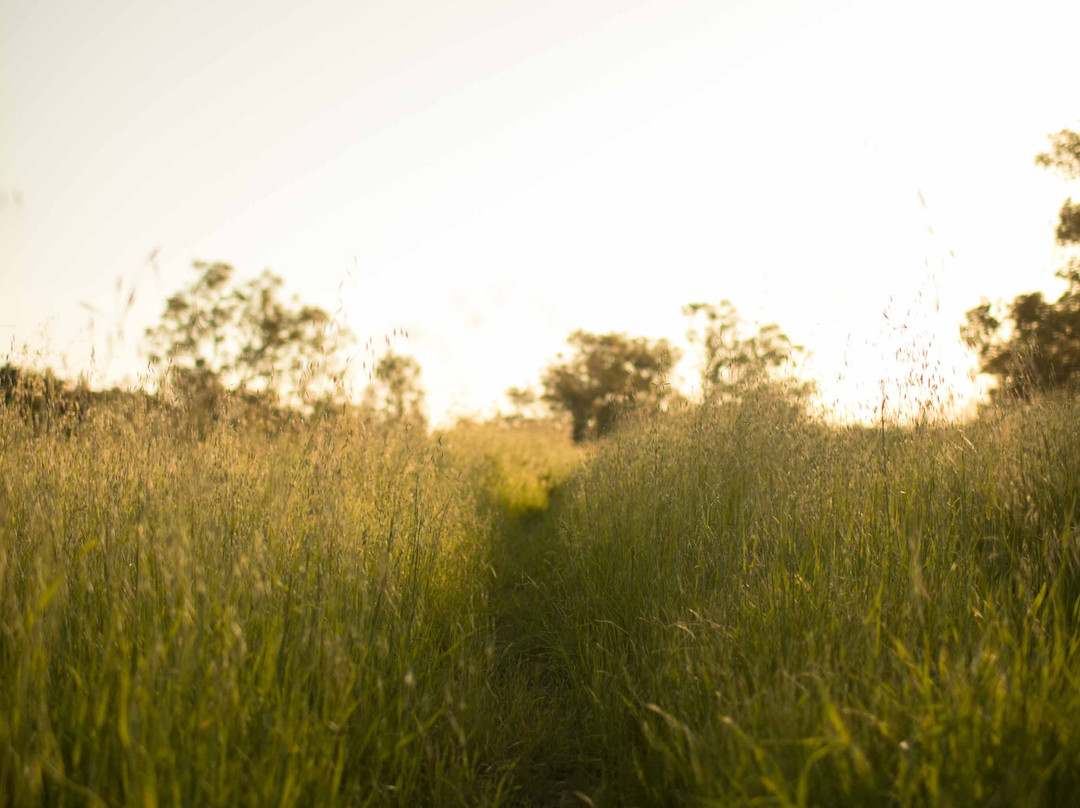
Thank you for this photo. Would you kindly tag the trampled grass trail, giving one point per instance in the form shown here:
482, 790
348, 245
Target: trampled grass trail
535, 723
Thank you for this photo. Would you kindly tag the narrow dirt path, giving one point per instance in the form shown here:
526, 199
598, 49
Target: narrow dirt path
547, 719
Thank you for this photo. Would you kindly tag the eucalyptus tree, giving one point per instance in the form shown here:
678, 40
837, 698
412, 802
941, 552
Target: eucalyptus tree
218, 334
736, 360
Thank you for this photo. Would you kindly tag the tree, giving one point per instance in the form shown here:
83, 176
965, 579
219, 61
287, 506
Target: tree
521, 398
217, 334
733, 363
1064, 157
525, 404
1034, 345
607, 375
396, 392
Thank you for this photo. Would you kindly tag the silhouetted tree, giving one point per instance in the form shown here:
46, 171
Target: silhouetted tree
526, 404
607, 375
733, 362
396, 392
1034, 345
1064, 157
521, 399
216, 335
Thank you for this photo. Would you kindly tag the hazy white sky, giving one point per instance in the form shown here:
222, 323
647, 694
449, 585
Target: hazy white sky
492, 175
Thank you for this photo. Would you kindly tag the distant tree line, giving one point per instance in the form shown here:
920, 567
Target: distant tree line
221, 340
237, 348
240, 347
608, 376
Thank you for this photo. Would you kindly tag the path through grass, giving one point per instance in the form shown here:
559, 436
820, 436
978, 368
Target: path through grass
730, 607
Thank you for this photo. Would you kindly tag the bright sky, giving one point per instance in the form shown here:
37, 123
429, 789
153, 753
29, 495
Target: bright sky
492, 175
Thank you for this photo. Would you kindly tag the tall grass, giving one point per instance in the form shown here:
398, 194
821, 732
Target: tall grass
733, 605
292, 619
760, 609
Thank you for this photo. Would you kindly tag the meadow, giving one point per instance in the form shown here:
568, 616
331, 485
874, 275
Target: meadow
724, 606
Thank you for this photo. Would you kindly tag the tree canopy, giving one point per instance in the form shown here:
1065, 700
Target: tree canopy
605, 376
732, 361
217, 333
1064, 157
1033, 345
395, 391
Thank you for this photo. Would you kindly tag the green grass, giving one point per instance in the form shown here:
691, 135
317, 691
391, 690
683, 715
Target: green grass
296, 620
731, 606
769, 611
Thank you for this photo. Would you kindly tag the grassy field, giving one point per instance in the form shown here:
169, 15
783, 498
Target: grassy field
732, 606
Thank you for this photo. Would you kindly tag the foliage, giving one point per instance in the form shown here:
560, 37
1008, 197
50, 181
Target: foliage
608, 375
396, 392
1034, 346
219, 334
1064, 157
1040, 351
732, 363
525, 403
